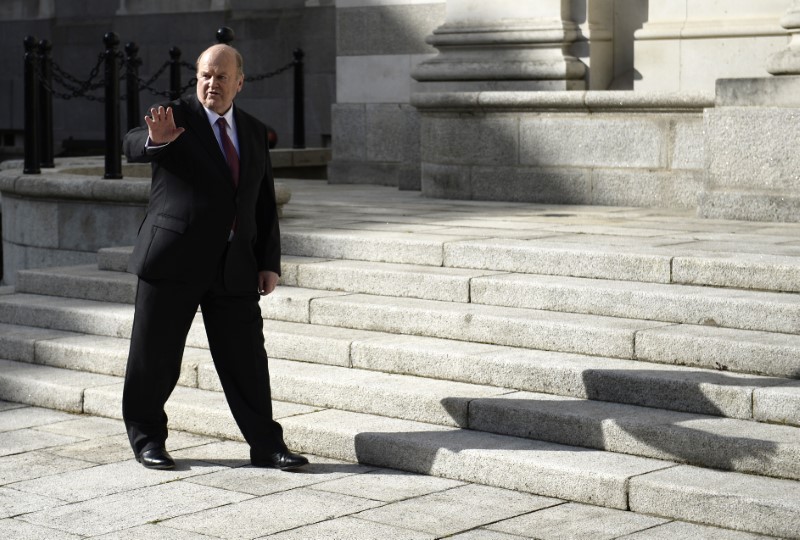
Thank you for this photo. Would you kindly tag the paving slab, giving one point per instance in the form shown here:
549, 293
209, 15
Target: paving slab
259, 481
724, 499
724, 349
22, 416
19, 530
14, 502
261, 516
681, 529
457, 509
102, 480
387, 485
573, 520
152, 531
351, 528
116, 448
25, 440
132, 508
546, 330
36, 464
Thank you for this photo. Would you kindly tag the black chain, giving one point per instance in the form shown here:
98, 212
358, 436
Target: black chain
80, 89
77, 87
256, 78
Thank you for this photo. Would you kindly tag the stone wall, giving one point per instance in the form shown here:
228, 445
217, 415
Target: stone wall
375, 130
602, 148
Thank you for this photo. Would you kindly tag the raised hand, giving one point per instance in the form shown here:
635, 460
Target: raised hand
161, 126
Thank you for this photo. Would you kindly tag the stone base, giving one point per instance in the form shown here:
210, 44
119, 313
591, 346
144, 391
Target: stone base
65, 215
602, 148
405, 176
750, 206
752, 161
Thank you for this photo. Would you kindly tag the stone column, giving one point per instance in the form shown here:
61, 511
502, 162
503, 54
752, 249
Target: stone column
787, 61
503, 45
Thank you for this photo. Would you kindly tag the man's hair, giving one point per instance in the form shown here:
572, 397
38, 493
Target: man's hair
236, 53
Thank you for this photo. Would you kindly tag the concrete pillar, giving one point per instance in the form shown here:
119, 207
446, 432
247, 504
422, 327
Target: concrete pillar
503, 45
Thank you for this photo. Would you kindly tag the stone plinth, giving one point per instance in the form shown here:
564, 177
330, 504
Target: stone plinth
752, 163
503, 45
603, 148
65, 215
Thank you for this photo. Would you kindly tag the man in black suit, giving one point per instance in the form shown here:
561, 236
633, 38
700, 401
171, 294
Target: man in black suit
210, 239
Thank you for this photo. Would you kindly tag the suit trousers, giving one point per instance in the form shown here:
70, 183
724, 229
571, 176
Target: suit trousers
164, 313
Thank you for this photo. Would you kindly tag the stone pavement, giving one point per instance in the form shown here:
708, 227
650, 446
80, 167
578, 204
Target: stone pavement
66, 476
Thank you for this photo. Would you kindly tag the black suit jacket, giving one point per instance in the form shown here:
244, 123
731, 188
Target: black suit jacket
193, 203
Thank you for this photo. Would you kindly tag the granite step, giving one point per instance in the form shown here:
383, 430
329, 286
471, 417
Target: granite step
728, 308
658, 487
704, 389
745, 351
746, 397
686, 438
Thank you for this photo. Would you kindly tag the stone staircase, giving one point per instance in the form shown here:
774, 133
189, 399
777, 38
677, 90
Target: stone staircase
618, 367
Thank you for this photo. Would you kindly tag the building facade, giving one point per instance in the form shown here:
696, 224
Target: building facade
672, 103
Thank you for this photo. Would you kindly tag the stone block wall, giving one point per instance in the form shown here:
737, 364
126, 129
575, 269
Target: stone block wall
375, 130
603, 148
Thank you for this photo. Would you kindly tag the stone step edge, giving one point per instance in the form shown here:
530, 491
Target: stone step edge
775, 317
699, 269
486, 409
295, 342
574, 474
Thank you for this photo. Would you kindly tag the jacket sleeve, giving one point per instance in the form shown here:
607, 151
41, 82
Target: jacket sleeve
268, 235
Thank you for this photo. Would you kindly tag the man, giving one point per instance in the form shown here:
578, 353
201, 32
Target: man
210, 239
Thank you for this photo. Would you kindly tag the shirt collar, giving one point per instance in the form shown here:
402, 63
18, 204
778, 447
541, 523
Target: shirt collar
213, 117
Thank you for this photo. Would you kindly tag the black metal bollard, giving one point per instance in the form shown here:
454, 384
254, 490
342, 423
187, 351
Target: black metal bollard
31, 108
174, 73
113, 139
46, 158
225, 35
299, 105
132, 63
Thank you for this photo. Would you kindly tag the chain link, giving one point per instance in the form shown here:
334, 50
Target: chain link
80, 89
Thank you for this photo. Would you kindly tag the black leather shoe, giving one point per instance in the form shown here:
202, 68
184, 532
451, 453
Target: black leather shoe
285, 460
156, 458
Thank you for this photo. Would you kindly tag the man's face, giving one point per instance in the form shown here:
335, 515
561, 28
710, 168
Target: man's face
218, 80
